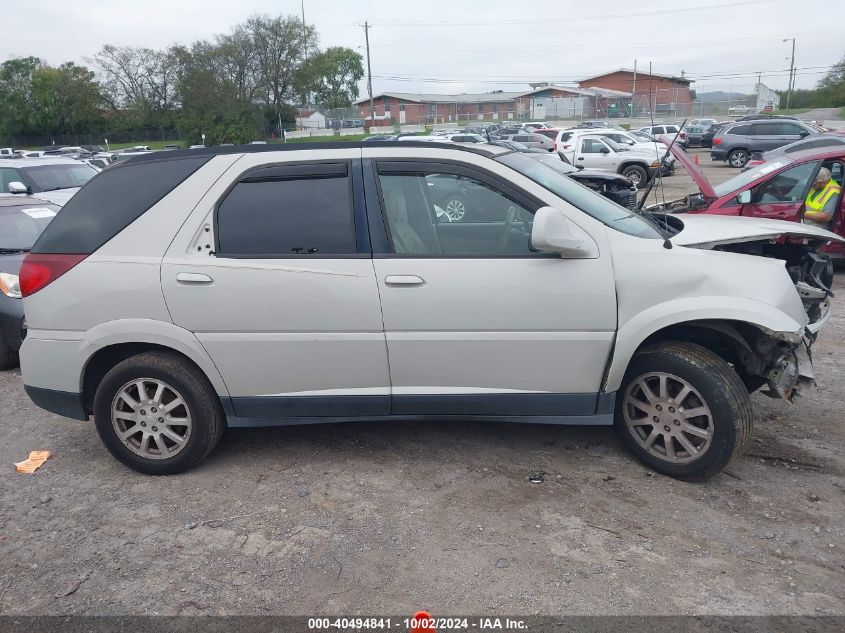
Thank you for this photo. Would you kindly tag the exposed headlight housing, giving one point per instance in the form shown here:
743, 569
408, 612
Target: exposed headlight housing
10, 285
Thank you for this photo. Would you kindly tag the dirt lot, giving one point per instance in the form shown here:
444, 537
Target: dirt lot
381, 518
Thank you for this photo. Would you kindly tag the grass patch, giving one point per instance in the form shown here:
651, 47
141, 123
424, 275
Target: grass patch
792, 111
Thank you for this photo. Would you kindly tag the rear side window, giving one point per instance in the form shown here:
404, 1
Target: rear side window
739, 130
111, 201
288, 211
549, 133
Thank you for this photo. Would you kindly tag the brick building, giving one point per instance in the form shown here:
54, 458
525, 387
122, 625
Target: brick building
652, 92
420, 109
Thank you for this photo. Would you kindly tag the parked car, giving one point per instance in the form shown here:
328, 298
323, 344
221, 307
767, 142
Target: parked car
594, 123
517, 147
707, 137
811, 142
466, 137
596, 152
632, 142
559, 137
776, 189
52, 179
237, 259
22, 219
609, 184
694, 134
764, 115
669, 130
537, 125
735, 142
538, 141
705, 123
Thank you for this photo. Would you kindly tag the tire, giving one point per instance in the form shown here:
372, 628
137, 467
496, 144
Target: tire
715, 389
455, 207
636, 174
8, 358
738, 158
200, 409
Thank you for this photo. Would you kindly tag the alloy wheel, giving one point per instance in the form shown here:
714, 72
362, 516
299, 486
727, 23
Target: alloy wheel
151, 418
668, 417
455, 209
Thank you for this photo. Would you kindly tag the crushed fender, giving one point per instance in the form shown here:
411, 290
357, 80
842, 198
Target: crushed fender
32, 463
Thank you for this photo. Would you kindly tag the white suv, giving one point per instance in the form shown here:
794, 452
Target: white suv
181, 292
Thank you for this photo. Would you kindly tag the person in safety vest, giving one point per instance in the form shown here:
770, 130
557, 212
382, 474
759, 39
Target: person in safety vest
822, 199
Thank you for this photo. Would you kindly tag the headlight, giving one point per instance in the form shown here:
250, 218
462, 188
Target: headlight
656, 164
10, 285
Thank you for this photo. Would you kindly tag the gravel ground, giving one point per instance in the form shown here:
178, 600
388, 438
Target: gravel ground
389, 518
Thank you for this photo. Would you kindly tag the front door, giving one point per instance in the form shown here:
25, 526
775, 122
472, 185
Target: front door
476, 323
275, 278
782, 197
593, 153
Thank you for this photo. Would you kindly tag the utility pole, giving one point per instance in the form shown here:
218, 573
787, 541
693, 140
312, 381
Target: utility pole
791, 73
634, 91
304, 32
366, 27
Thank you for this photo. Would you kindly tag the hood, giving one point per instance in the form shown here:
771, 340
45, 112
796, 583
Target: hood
694, 170
707, 231
59, 196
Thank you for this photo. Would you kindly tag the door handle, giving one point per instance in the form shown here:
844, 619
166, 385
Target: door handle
193, 278
580, 158
404, 280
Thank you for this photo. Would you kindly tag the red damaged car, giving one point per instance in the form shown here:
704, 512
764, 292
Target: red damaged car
776, 189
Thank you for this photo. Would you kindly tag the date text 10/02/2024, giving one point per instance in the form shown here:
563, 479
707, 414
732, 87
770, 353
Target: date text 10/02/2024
420, 624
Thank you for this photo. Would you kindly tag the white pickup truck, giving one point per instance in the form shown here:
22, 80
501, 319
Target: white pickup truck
598, 152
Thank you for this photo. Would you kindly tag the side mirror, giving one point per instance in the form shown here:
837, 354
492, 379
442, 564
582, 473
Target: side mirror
803, 133
604, 150
18, 187
744, 197
553, 232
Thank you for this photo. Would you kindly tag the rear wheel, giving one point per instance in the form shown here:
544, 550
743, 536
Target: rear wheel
738, 158
635, 174
683, 411
158, 414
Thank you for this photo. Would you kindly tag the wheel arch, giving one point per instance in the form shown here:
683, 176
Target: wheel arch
723, 326
114, 342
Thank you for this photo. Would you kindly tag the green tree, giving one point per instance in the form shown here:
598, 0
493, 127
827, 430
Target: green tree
333, 76
16, 100
66, 99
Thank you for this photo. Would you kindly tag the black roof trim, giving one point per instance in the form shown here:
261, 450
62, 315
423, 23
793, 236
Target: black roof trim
210, 152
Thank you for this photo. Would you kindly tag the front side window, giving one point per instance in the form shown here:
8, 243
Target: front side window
440, 214
592, 146
6, 176
275, 215
790, 185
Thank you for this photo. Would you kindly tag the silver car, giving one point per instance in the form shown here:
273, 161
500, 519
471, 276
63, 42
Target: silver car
182, 292
533, 140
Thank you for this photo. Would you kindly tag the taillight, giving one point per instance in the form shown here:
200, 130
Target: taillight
683, 135
717, 141
554, 147
39, 270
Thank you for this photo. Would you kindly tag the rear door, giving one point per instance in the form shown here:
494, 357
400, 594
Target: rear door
273, 273
764, 135
476, 322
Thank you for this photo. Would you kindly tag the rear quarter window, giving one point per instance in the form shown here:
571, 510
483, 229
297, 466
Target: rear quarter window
111, 201
739, 130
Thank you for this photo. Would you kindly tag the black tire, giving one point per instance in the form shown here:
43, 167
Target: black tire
8, 358
636, 174
209, 420
738, 158
721, 389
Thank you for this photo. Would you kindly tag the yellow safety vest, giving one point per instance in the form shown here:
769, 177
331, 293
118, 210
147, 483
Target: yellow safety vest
817, 200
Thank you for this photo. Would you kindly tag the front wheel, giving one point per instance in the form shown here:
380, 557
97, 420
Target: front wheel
158, 414
683, 411
738, 158
635, 174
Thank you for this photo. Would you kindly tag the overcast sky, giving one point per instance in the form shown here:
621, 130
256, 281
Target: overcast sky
460, 46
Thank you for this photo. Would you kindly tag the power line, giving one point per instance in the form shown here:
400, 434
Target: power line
602, 16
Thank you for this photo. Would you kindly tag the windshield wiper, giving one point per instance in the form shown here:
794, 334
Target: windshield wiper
55, 189
12, 251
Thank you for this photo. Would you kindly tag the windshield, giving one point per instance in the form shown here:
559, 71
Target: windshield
581, 197
746, 177
51, 177
613, 144
20, 226
555, 163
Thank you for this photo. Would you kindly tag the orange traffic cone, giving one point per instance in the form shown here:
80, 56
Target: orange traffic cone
695, 159
424, 623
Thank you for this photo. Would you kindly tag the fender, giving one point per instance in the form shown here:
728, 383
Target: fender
718, 308
155, 333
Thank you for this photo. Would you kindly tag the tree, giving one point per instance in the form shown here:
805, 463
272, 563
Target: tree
333, 76
66, 99
16, 102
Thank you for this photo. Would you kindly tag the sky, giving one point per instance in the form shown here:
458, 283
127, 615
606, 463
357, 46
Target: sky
460, 46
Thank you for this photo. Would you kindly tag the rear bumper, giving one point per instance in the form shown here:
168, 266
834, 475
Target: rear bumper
64, 403
718, 154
